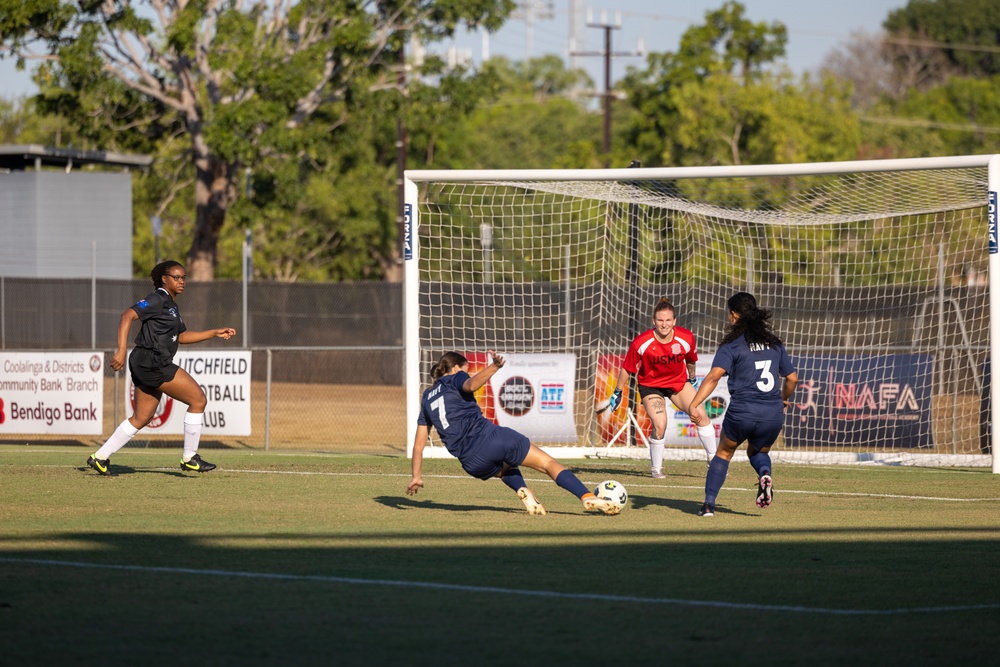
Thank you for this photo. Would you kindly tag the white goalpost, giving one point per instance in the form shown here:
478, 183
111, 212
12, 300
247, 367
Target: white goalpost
876, 272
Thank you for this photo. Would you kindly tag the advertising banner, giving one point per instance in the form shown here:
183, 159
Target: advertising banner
52, 392
680, 430
861, 400
225, 379
533, 393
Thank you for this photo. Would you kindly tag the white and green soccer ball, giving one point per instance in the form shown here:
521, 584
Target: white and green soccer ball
611, 490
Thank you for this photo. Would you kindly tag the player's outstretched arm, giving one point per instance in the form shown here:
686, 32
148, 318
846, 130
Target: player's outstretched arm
419, 441
189, 337
706, 387
474, 383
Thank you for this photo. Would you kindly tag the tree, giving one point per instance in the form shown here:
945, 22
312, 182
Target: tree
953, 27
240, 80
527, 118
879, 69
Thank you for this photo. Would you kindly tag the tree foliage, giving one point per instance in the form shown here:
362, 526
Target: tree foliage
238, 79
960, 24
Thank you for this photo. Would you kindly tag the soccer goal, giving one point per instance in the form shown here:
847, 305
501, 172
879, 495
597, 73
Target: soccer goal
876, 273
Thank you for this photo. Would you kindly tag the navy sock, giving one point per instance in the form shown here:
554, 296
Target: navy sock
571, 483
761, 462
715, 478
513, 479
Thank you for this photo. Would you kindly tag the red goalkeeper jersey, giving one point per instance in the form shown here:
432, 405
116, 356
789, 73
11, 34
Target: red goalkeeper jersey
662, 365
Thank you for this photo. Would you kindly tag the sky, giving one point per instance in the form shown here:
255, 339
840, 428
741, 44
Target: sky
814, 29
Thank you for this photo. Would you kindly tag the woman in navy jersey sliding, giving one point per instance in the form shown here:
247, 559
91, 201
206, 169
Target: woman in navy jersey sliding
484, 449
756, 361
153, 370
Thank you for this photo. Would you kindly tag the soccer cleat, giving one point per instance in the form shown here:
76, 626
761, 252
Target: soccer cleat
592, 502
764, 491
101, 466
530, 501
658, 473
197, 465
707, 510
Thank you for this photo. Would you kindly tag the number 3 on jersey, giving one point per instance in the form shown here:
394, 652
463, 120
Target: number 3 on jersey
438, 404
766, 381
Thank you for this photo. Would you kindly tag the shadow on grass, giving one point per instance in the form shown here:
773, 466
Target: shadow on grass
639, 503
125, 471
405, 503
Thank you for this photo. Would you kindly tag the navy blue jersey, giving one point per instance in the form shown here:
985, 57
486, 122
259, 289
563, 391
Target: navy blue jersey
454, 414
754, 379
160, 323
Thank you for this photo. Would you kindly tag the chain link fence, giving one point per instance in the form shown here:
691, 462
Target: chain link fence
327, 359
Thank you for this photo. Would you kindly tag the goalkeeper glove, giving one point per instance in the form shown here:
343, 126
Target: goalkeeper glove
615, 400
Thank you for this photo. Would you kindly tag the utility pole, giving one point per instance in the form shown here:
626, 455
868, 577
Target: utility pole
530, 10
607, 54
401, 156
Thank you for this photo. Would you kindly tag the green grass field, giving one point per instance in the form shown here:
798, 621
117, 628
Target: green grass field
322, 559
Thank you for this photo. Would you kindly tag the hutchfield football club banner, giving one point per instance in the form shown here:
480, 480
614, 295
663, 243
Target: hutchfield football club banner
861, 400
533, 393
680, 429
52, 392
225, 379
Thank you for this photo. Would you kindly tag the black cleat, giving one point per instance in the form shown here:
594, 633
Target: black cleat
197, 465
101, 466
707, 510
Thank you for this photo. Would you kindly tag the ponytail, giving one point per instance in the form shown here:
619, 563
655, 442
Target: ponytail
447, 362
753, 322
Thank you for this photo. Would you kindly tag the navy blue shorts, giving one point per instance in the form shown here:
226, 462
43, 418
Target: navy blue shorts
758, 434
149, 369
501, 446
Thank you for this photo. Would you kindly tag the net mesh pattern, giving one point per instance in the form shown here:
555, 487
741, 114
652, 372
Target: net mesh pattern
871, 270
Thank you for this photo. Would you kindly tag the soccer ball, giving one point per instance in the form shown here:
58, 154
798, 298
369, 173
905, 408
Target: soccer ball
611, 490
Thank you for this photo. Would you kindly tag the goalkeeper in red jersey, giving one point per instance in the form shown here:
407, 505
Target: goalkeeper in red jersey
663, 361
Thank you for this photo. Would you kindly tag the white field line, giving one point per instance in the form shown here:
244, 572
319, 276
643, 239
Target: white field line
590, 597
588, 484
634, 485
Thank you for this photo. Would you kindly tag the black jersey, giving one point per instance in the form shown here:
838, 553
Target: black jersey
161, 323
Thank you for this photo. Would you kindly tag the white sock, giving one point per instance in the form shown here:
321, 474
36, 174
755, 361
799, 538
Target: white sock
708, 440
656, 452
118, 439
192, 434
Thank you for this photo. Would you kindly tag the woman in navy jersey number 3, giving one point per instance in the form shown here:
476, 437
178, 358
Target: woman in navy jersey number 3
755, 360
153, 370
483, 448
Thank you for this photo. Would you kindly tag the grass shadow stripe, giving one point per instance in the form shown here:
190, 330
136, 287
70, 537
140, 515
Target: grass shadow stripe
493, 590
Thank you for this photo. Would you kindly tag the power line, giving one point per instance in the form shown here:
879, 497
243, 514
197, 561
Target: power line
931, 125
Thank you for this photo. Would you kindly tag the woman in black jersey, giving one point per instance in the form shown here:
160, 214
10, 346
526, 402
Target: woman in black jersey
153, 370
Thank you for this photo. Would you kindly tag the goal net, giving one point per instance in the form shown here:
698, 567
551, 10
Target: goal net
875, 272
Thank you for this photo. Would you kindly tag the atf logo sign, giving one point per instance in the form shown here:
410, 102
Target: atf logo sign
991, 222
407, 231
553, 397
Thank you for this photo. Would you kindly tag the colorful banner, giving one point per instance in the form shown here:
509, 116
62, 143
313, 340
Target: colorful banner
861, 400
52, 392
225, 379
680, 430
533, 394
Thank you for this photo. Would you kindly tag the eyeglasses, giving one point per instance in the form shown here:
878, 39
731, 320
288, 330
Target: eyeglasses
178, 278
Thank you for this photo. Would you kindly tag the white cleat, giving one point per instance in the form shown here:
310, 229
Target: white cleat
600, 504
657, 473
530, 501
